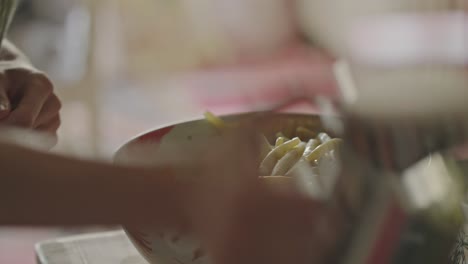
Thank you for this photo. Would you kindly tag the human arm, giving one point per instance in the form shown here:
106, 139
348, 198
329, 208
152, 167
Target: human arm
45, 189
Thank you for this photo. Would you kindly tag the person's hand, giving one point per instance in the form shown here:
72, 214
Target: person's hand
27, 99
263, 227
243, 219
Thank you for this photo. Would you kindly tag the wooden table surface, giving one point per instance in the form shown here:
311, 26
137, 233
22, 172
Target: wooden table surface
100, 248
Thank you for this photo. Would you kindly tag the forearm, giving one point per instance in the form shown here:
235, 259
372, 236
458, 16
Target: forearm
43, 189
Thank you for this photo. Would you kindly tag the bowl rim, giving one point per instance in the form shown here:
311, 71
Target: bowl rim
198, 119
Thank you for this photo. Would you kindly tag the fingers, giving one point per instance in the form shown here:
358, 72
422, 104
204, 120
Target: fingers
49, 135
49, 113
51, 126
35, 94
4, 100
49, 121
27, 101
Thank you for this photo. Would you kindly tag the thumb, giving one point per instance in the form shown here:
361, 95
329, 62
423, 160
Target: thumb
5, 105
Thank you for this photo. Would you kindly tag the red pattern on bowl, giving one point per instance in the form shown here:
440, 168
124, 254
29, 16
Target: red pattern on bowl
156, 135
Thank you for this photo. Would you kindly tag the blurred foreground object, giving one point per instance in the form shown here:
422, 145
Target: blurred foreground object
328, 23
403, 82
7, 10
404, 107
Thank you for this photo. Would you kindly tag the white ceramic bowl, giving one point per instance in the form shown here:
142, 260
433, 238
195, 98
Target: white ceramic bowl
173, 248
